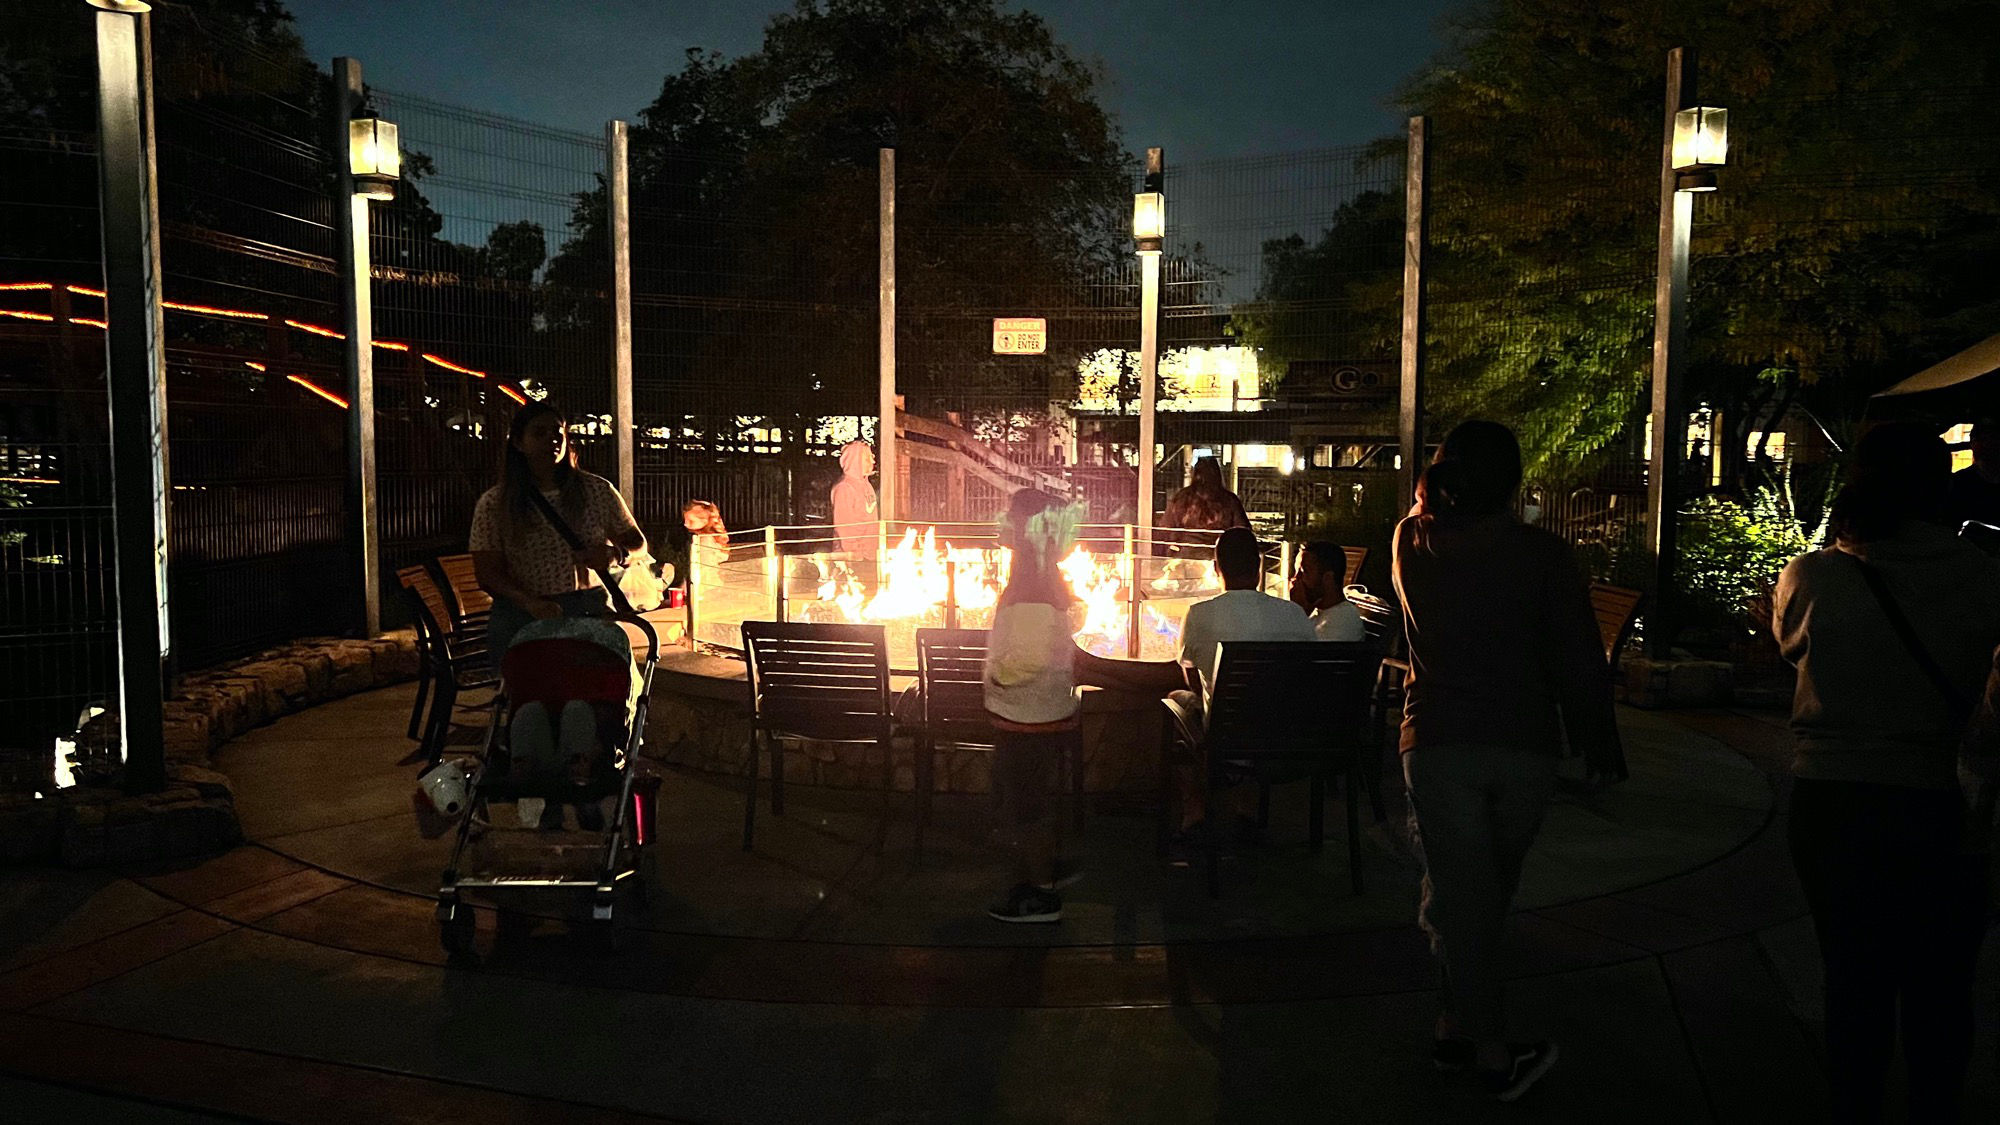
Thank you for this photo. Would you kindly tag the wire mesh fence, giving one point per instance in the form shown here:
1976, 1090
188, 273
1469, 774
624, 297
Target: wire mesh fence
57, 621
485, 292
1850, 243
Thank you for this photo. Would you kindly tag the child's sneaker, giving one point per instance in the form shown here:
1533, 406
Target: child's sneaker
1027, 903
1530, 1062
529, 809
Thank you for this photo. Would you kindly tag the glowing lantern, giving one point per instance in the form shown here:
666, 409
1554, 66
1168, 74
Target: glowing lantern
1149, 221
1701, 145
373, 157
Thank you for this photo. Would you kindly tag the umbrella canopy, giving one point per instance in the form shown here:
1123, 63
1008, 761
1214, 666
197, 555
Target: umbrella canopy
1958, 386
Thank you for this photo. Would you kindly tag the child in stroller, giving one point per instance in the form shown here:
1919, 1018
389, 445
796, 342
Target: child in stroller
571, 687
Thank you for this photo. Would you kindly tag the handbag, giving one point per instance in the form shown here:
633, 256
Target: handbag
575, 542
1979, 839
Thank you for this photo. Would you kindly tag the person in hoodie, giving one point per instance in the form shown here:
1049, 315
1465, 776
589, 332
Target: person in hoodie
1505, 659
1877, 817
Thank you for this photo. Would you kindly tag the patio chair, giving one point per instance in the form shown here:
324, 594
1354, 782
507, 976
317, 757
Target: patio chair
1356, 558
471, 606
1617, 610
443, 668
951, 699
827, 683
1292, 701
1383, 619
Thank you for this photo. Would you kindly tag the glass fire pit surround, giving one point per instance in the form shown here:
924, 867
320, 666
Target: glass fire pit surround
1135, 591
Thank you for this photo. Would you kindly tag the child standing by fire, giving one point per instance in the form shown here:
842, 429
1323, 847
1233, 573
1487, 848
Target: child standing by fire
1031, 673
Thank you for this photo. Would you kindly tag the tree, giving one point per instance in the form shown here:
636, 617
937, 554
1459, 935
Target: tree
1336, 298
754, 201
1838, 255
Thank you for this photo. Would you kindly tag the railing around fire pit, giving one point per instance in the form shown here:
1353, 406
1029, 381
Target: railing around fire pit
1135, 591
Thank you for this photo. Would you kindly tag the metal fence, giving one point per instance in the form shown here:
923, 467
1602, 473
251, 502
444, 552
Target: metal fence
754, 318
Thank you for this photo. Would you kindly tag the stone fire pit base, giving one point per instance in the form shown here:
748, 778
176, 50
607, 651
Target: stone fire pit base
700, 719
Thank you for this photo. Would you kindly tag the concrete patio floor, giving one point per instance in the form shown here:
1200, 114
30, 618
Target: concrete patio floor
828, 976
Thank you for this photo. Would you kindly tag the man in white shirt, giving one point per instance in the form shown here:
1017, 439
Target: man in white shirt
1317, 589
1241, 612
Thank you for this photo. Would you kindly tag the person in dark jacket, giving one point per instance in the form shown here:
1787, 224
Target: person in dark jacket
1505, 659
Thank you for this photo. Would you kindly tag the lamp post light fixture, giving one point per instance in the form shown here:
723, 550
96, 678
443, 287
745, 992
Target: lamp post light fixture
1694, 143
1149, 235
1149, 221
1701, 145
374, 158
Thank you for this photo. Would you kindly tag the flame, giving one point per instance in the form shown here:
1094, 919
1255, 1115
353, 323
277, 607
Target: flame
919, 575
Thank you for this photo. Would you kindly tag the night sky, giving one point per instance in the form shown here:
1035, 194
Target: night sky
1205, 79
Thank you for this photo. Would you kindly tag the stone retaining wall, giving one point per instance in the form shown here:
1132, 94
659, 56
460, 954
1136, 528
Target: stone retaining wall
97, 823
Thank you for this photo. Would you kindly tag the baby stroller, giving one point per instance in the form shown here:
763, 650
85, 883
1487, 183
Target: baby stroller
568, 677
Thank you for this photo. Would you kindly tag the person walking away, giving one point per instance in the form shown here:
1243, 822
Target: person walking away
1893, 629
1504, 659
518, 556
1317, 588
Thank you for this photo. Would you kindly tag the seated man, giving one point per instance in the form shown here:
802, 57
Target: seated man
1316, 588
1240, 613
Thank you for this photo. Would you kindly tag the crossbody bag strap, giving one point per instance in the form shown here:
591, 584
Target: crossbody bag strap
575, 542
1961, 706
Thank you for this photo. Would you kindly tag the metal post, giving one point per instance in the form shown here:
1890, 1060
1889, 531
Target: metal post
135, 379
357, 318
950, 594
1669, 413
774, 573
889, 496
618, 199
1149, 351
1416, 231
1131, 593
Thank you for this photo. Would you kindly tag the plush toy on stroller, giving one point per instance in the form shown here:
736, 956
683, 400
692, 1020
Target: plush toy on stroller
567, 726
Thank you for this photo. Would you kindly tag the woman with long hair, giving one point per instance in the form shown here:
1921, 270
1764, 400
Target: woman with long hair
1893, 628
1505, 660
519, 556
1205, 505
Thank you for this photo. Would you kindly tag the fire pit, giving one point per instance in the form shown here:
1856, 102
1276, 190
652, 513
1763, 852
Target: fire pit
1135, 591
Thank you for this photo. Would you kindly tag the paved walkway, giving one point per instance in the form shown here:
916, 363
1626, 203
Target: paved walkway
829, 977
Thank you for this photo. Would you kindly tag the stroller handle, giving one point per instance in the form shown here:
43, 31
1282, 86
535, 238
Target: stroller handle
622, 611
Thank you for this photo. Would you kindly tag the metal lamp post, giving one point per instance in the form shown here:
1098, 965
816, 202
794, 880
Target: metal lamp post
135, 381
1695, 144
374, 163
1149, 232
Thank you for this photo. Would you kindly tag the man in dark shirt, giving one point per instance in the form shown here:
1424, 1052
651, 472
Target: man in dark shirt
1974, 493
